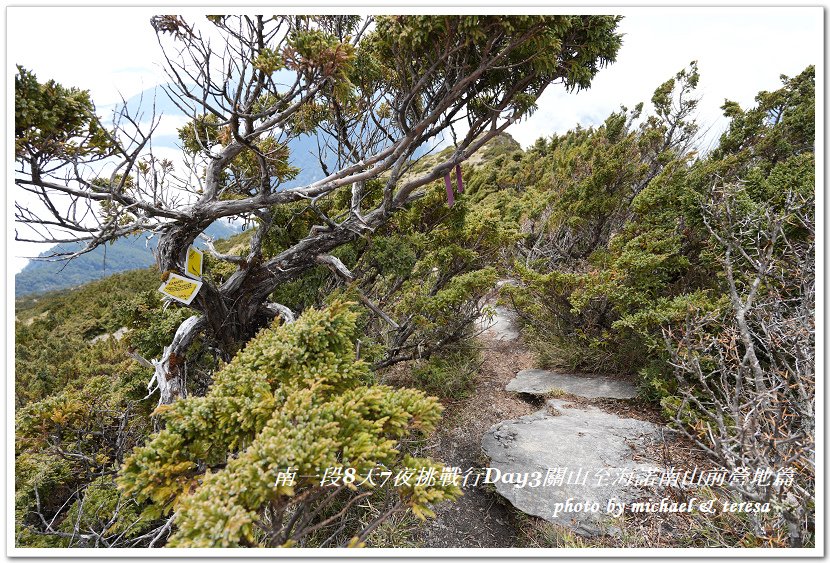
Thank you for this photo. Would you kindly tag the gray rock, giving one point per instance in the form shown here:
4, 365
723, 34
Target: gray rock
591, 386
502, 326
595, 449
118, 335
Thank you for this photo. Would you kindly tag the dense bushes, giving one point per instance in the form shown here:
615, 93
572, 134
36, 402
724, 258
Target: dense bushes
746, 371
608, 259
294, 400
427, 270
295, 397
695, 272
631, 254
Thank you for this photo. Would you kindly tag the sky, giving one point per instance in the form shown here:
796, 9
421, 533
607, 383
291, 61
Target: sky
740, 51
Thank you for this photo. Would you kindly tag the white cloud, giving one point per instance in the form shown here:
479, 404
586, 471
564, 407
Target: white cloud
109, 51
740, 51
168, 125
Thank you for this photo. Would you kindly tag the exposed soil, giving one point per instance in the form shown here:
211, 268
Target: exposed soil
480, 518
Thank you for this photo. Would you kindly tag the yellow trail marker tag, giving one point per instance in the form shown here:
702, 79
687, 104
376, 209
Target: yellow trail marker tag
181, 288
195, 258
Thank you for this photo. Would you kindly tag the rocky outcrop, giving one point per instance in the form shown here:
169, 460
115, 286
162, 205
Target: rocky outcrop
118, 335
572, 454
591, 386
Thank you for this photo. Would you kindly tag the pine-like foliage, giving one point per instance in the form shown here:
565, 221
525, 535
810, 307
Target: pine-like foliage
296, 397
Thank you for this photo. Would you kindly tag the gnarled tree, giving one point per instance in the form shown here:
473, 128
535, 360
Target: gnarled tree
375, 93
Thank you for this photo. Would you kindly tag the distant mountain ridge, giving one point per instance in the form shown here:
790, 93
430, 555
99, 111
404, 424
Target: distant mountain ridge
131, 253
128, 253
303, 149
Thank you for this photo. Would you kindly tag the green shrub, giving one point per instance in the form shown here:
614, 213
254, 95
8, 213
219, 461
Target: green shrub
450, 374
295, 397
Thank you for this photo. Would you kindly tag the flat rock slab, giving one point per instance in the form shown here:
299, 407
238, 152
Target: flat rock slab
582, 453
591, 386
502, 326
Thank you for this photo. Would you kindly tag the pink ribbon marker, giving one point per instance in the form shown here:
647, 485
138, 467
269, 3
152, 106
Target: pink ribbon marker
458, 178
448, 183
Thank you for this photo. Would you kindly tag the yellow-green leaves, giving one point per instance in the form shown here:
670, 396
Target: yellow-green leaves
268, 61
54, 122
536, 50
201, 134
315, 51
292, 398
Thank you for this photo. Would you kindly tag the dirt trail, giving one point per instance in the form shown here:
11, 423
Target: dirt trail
481, 518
